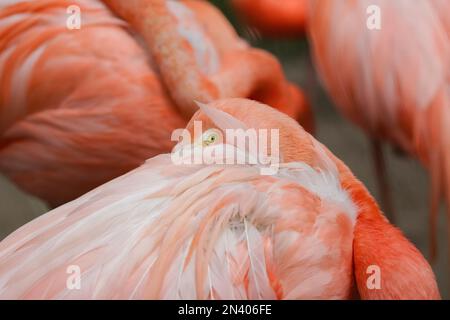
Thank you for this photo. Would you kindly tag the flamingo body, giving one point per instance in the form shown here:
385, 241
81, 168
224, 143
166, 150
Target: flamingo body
88, 105
392, 82
198, 231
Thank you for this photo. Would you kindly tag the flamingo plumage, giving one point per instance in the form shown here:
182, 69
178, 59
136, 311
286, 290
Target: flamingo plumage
393, 81
80, 107
196, 231
272, 17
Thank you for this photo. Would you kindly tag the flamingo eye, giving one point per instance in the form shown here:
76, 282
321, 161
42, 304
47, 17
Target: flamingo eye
210, 138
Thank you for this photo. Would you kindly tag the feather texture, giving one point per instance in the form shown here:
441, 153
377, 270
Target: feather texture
199, 231
205, 227
89, 104
393, 81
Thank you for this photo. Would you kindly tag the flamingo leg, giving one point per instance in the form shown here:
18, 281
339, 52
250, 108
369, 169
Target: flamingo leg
435, 198
382, 180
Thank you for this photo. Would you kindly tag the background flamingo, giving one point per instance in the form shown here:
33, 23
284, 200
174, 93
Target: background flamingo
353, 99
219, 232
84, 106
272, 17
376, 85
391, 82
289, 19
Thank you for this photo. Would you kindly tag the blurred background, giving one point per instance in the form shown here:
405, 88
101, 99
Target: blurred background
408, 179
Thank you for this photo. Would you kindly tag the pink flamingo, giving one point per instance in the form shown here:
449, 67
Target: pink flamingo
87, 105
171, 230
393, 81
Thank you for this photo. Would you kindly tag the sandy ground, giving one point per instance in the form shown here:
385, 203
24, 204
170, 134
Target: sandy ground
409, 180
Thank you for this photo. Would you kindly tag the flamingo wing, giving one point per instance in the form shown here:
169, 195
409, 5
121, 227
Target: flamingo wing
190, 232
367, 71
76, 105
94, 100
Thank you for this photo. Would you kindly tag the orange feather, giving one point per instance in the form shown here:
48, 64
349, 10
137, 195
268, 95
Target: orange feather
181, 231
80, 107
392, 82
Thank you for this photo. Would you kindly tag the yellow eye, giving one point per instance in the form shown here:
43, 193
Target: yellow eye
210, 138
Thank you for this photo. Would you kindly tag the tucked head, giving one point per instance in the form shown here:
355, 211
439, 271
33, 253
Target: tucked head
295, 143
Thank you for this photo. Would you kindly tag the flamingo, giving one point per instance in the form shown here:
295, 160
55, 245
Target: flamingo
272, 17
289, 19
87, 105
367, 74
393, 81
223, 230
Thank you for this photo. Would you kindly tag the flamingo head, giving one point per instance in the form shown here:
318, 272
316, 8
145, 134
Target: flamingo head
295, 144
